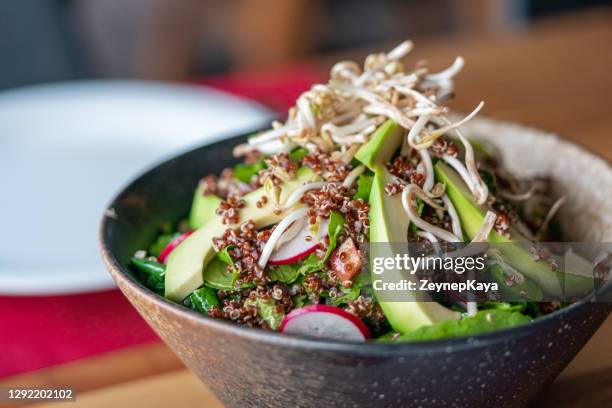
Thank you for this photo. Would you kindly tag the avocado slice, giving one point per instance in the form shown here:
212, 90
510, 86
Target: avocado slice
203, 208
382, 145
472, 215
518, 291
187, 262
389, 227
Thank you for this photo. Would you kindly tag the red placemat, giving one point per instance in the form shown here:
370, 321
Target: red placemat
37, 332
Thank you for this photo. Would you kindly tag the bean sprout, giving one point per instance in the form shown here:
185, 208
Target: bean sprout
277, 233
409, 194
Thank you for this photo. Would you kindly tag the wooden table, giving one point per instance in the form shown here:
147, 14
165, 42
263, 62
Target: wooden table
555, 76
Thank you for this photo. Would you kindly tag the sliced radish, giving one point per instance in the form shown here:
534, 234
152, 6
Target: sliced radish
163, 255
299, 247
325, 321
345, 261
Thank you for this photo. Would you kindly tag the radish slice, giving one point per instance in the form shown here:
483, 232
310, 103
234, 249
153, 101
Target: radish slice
326, 321
298, 247
163, 255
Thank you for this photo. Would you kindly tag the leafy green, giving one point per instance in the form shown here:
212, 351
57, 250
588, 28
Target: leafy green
203, 299
245, 172
298, 154
348, 294
153, 273
361, 282
364, 185
224, 255
300, 301
489, 178
161, 242
505, 306
288, 273
484, 321
216, 275
313, 262
420, 208
266, 309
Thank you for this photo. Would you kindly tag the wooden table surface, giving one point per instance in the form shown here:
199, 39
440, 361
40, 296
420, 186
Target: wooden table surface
556, 75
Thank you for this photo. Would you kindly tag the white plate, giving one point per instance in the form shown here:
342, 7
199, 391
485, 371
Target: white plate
66, 148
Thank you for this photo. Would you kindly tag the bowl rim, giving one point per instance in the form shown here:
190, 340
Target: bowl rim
122, 276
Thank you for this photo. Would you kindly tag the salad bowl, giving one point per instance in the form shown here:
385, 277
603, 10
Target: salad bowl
244, 366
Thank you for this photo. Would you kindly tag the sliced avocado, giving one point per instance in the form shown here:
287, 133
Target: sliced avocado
303, 175
203, 208
388, 226
526, 290
382, 145
188, 260
472, 216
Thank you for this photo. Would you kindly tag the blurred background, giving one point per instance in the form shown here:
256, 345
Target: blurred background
94, 91
178, 39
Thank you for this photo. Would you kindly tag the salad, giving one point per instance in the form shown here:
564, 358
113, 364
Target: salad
372, 156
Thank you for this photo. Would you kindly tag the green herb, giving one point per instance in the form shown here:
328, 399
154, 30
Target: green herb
266, 309
285, 273
298, 154
313, 263
364, 185
203, 299
483, 322
153, 273
245, 172
161, 242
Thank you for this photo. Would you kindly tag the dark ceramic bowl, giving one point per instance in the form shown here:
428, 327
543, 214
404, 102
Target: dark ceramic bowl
250, 367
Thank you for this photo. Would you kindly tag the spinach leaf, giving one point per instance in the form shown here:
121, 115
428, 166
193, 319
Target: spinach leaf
364, 186
298, 154
161, 242
224, 255
245, 172
489, 178
216, 276
284, 273
484, 321
203, 299
153, 273
266, 309
336, 226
